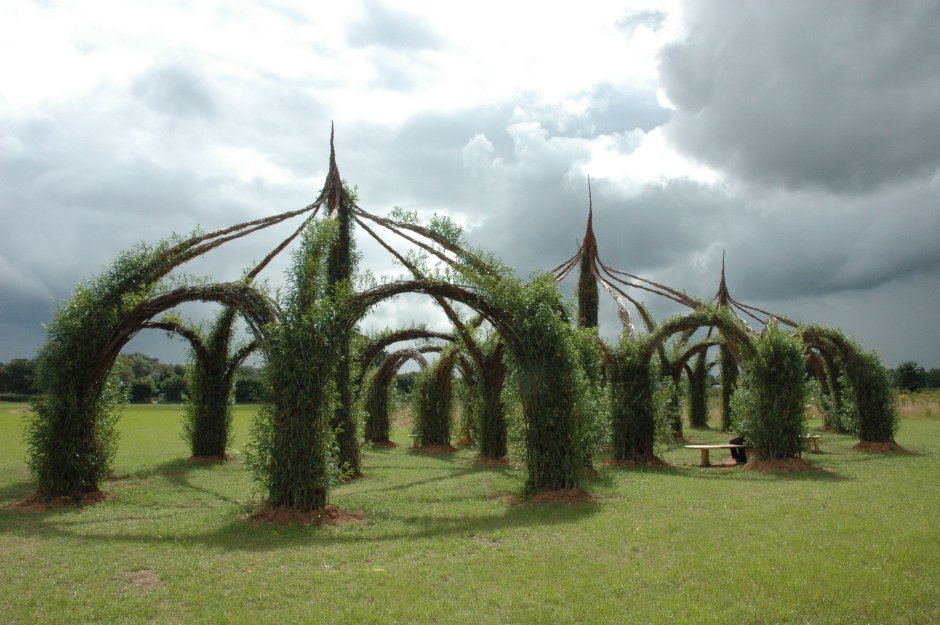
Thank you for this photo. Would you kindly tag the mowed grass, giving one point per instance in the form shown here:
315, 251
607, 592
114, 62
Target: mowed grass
445, 542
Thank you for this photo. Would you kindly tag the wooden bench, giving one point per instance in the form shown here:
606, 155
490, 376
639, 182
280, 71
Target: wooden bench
704, 449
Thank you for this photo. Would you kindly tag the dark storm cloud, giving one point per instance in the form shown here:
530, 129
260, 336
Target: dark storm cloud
77, 186
835, 95
388, 28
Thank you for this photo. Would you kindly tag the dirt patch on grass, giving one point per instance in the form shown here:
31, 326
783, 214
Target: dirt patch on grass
435, 449
465, 442
653, 461
34, 503
144, 579
19, 411
567, 496
327, 515
786, 465
384, 444
492, 462
880, 448
486, 542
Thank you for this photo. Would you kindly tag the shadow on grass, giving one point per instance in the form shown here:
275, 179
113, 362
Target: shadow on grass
729, 472
16, 491
239, 534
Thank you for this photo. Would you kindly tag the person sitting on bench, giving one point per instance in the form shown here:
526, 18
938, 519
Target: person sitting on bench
738, 453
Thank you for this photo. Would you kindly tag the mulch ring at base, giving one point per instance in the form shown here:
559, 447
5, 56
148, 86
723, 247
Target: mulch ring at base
384, 444
34, 503
327, 515
567, 496
435, 449
880, 448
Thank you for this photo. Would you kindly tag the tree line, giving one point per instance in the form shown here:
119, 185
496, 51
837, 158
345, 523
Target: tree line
144, 379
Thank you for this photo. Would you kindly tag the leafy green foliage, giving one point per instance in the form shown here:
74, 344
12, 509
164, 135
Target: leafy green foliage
377, 409
729, 378
207, 418
633, 418
588, 297
293, 452
446, 228
548, 377
873, 405
340, 270
71, 432
592, 409
769, 403
667, 398
698, 393
433, 402
488, 401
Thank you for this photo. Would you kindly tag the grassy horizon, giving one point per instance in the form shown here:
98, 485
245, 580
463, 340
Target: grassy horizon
445, 541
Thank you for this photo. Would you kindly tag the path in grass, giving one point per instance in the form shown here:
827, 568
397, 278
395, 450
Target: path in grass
444, 543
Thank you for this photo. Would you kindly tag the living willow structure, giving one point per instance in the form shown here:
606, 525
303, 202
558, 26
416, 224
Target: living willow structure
566, 381
771, 400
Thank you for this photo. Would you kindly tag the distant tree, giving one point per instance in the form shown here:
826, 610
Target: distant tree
142, 391
404, 382
932, 379
910, 376
248, 386
17, 376
248, 391
172, 387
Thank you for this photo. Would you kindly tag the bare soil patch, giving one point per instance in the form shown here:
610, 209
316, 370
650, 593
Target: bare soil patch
34, 503
567, 496
465, 442
384, 444
435, 449
880, 448
653, 461
486, 542
787, 465
145, 579
327, 515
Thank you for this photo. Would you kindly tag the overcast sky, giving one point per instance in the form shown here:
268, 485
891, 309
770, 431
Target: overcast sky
800, 137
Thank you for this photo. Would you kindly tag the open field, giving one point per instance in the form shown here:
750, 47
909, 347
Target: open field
445, 541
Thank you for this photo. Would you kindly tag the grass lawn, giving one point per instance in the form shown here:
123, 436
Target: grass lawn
444, 542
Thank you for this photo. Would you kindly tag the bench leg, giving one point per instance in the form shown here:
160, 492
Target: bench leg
705, 457
816, 445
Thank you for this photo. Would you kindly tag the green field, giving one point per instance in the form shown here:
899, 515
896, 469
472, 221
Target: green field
445, 541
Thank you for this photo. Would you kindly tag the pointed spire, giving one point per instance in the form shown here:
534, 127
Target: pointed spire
333, 150
587, 277
723, 296
590, 242
333, 191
